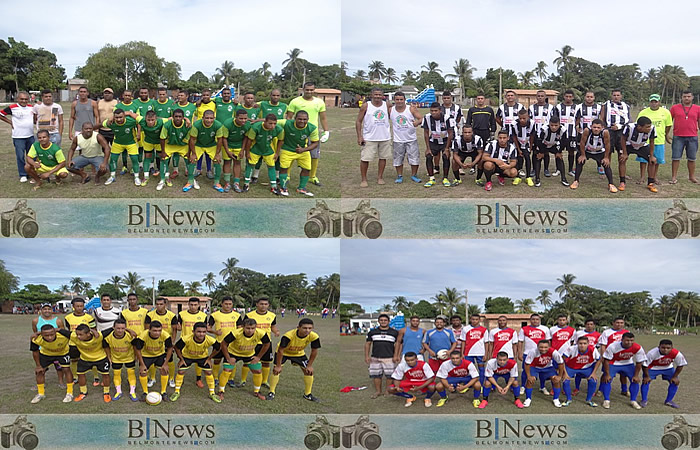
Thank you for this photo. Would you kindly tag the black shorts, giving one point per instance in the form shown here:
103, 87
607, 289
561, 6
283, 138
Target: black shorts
464, 155
597, 157
499, 171
74, 352
485, 135
642, 152
301, 361
101, 365
159, 360
129, 365
108, 135
616, 139
542, 149
218, 355
569, 144
201, 363
45, 361
245, 359
267, 357
436, 148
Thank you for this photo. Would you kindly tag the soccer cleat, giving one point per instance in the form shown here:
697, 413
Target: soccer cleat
172, 383
488, 186
557, 403
165, 396
529, 181
186, 188
160, 185
254, 180
37, 398
501, 180
80, 397
554, 174
621, 187
143, 396
199, 384
574, 185
237, 188
672, 404
606, 404
572, 173
241, 384
117, 396
601, 170
456, 182
518, 403
635, 405
592, 404
137, 181
516, 181
273, 190
175, 396
106, 398
564, 182
227, 187
284, 192
259, 396
265, 385
441, 402
612, 188
643, 403
428, 403
446, 182
479, 182
472, 171
547, 173
168, 182
123, 172
246, 187
476, 402
270, 395
110, 180
68, 398
303, 191
218, 188
133, 397
398, 179
431, 182
566, 403
215, 398
652, 188
416, 179
96, 383
144, 182
196, 185
409, 401
526, 403
538, 182
174, 174
544, 391
574, 392
624, 393
151, 383
521, 173
311, 398
210, 174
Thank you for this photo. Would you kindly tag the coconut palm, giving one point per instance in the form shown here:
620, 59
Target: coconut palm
293, 61
265, 71
209, 281
118, 284
384, 308
376, 70
541, 71
192, 288
452, 298
473, 309
545, 298
571, 307
133, 281
408, 76
431, 68
229, 269
566, 283
484, 87
76, 284
400, 303
227, 72
360, 75
526, 78
390, 76
524, 305
564, 58
463, 71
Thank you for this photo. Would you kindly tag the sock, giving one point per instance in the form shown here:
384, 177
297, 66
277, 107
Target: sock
176, 161
163, 168
591, 390
546, 162
429, 164
538, 166
274, 379
456, 174
487, 391
476, 394
131, 376
40, 388
427, 396
314, 167
442, 394
528, 164
152, 372
210, 382
216, 369
256, 172
179, 379
557, 391
271, 175
302, 182
403, 394
163, 383
118, 380
208, 158
634, 391
83, 389
69, 388
672, 389
144, 383
309, 382
489, 174
217, 173
135, 163
608, 174
541, 379
560, 168
105, 390
248, 172
623, 387
190, 172
572, 156
622, 179
125, 158
284, 178
567, 390
236, 181
171, 369
257, 381
223, 379
578, 379
528, 393
605, 388
147, 165
479, 173
579, 169
244, 374
74, 368
227, 178
265, 374
140, 156
516, 391
113, 159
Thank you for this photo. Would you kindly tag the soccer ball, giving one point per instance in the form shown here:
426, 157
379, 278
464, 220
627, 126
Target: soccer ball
153, 398
442, 354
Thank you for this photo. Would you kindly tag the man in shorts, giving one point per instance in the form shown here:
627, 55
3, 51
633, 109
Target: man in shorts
45, 159
500, 158
241, 345
50, 346
639, 138
234, 131
404, 122
296, 142
94, 151
153, 347
410, 377
382, 359
438, 132
88, 342
194, 350
372, 128
173, 141
467, 145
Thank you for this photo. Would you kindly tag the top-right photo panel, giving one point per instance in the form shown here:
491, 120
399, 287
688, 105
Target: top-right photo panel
513, 100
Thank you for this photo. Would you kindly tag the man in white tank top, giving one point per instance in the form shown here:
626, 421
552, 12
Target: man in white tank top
403, 123
372, 127
94, 151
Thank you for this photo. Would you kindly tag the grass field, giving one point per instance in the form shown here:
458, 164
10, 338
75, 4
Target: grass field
124, 186
354, 373
17, 386
592, 184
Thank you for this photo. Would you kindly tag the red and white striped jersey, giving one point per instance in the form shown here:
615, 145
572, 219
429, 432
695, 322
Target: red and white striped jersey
609, 336
619, 356
464, 369
492, 368
543, 361
593, 337
473, 338
657, 361
420, 372
579, 361
561, 336
503, 340
531, 336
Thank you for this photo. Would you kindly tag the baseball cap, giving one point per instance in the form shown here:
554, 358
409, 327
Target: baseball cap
46, 304
656, 97
108, 90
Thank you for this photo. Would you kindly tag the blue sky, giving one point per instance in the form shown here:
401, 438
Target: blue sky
179, 30
374, 272
95, 260
406, 34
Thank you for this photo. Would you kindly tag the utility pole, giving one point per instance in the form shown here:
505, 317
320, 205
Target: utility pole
126, 73
153, 292
304, 82
500, 85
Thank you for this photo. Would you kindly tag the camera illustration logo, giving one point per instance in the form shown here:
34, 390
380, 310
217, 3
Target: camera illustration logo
19, 221
680, 220
363, 220
362, 433
679, 433
22, 433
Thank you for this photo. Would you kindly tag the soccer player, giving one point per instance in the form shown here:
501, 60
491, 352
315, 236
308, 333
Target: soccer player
185, 324
405, 141
581, 361
466, 145
134, 315
324, 313
661, 119
411, 376
123, 124
501, 367
248, 344
539, 114
291, 348
153, 347
438, 132
639, 138
482, 119
295, 143
372, 129
593, 336
127, 104
561, 333
550, 139
143, 105
507, 113
456, 328
94, 151
473, 339
624, 357
615, 114
540, 364
163, 106
88, 342
151, 129
566, 112
529, 337
189, 111
500, 157
45, 159
410, 339
105, 315
168, 320
205, 104
383, 357
595, 144
660, 361
524, 140
609, 336
457, 373
259, 145
452, 110
439, 338
251, 108
117, 343
267, 320
234, 134
206, 136
220, 324
194, 349
316, 108
51, 346
72, 320
224, 106
274, 105
586, 113
173, 143
501, 339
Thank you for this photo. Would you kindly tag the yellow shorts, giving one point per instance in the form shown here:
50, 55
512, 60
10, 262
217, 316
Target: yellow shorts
200, 151
44, 168
148, 147
235, 151
142, 139
269, 159
287, 158
180, 149
131, 149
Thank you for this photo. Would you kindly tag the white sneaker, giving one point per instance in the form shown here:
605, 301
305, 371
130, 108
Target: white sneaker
195, 184
137, 181
472, 171
527, 402
606, 404
521, 173
37, 398
22, 179
555, 173
172, 382
68, 398
151, 383
110, 180
557, 403
544, 391
635, 405
160, 185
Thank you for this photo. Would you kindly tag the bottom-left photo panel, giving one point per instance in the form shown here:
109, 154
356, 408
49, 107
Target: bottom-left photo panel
169, 326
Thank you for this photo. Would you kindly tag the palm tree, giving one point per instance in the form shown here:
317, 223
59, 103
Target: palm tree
452, 298
65, 288
473, 309
227, 71
118, 284
571, 307
360, 75
376, 70
680, 81
344, 66
545, 298
652, 79
566, 282
209, 281
524, 306
333, 288
192, 288
265, 71
391, 76
463, 71
293, 61
133, 282
484, 87
400, 302
692, 306
408, 76
564, 58
541, 71
229, 269
385, 307
525, 78
568, 81
431, 68
76, 284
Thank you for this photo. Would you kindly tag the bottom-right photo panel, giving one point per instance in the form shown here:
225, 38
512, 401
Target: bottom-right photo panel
522, 327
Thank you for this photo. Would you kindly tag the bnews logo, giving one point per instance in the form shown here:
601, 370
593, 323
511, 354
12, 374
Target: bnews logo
505, 218
151, 429
153, 218
502, 430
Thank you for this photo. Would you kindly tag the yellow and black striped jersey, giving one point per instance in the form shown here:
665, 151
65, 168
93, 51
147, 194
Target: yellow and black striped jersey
293, 345
120, 349
57, 347
241, 345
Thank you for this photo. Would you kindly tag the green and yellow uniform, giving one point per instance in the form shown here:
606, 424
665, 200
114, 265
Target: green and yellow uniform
124, 135
293, 348
187, 321
189, 110
264, 141
293, 137
143, 107
234, 135
175, 137
224, 110
268, 108
48, 157
211, 106
151, 136
135, 320
253, 113
164, 110
207, 137
92, 354
126, 106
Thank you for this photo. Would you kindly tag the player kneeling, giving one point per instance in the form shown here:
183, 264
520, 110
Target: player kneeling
500, 157
457, 374
412, 376
501, 367
291, 348
49, 346
660, 362
240, 345
540, 364
194, 349
582, 361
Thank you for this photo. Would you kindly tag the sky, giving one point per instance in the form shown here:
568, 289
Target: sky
96, 260
374, 272
198, 34
517, 34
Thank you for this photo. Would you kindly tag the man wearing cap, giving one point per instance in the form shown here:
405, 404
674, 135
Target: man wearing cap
661, 119
105, 108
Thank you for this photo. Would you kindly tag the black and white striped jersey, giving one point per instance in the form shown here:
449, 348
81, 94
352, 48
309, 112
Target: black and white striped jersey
438, 127
456, 113
522, 133
635, 138
595, 144
539, 114
509, 115
462, 146
616, 114
550, 138
567, 118
587, 114
504, 154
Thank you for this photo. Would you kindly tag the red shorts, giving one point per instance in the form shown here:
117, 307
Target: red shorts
407, 384
435, 364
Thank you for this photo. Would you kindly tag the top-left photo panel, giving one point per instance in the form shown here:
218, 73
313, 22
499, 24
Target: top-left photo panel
190, 100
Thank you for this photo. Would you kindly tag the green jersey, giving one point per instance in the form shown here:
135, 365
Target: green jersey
189, 109
164, 110
294, 136
152, 134
268, 108
124, 133
174, 135
224, 110
123, 106
143, 107
206, 137
234, 134
253, 113
50, 157
263, 138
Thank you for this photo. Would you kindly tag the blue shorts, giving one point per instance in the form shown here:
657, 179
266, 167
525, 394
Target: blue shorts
505, 377
543, 374
659, 153
478, 360
687, 143
585, 373
627, 370
666, 374
454, 381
